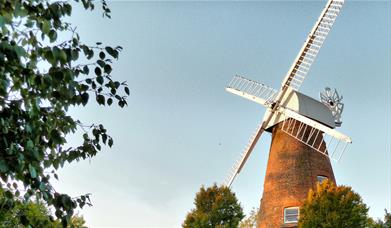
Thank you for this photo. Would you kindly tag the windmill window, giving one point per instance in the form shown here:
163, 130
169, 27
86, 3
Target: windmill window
291, 215
321, 178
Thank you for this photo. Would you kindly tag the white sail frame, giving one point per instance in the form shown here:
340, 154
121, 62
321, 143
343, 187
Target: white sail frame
308, 53
252, 90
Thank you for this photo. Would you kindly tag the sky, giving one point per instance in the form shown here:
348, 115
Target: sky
181, 130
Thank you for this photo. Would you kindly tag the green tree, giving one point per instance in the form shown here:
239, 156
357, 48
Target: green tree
19, 213
251, 220
41, 77
382, 224
333, 206
214, 207
78, 222
14, 213
387, 219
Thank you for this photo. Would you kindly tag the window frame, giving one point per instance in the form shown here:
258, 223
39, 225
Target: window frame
285, 215
323, 178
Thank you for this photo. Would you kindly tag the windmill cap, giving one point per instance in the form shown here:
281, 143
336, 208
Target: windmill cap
309, 107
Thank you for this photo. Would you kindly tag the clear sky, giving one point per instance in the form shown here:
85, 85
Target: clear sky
181, 129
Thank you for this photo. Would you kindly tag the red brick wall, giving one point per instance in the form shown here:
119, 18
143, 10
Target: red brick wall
292, 170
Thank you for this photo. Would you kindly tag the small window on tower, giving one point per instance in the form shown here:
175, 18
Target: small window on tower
321, 179
291, 215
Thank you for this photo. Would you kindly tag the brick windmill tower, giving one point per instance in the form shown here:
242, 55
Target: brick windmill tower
304, 138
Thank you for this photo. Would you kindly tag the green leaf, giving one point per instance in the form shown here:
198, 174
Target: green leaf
84, 98
56, 53
101, 63
20, 51
42, 186
84, 87
110, 142
99, 79
33, 172
75, 55
102, 55
90, 54
3, 166
68, 9
100, 99
29, 145
98, 71
8, 194
107, 69
49, 55
104, 138
2, 21
45, 27
52, 35
56, 163
29, 23
36, 154
112, 52
28, 128
127, 90
63, 57
109, 101
121, 103
86, 71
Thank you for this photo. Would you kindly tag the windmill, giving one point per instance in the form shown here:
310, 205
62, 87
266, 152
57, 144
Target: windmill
304, 138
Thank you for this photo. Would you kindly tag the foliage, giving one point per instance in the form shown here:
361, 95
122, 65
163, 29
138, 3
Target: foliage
14, 213
387, 219
41, 77
214, 207
251, 220
17, 213
77, 222
382, 224
334, 207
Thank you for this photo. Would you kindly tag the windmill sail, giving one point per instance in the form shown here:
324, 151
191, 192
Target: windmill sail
300, 67
332, 144
252, 90
237, 167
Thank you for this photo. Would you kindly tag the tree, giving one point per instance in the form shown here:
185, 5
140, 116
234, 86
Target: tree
251, 220
333, 206
382, 224
387, 219
78, 222
16, 213
41, 77
214, 207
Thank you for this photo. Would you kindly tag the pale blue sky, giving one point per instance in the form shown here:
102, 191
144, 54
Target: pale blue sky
182, 130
